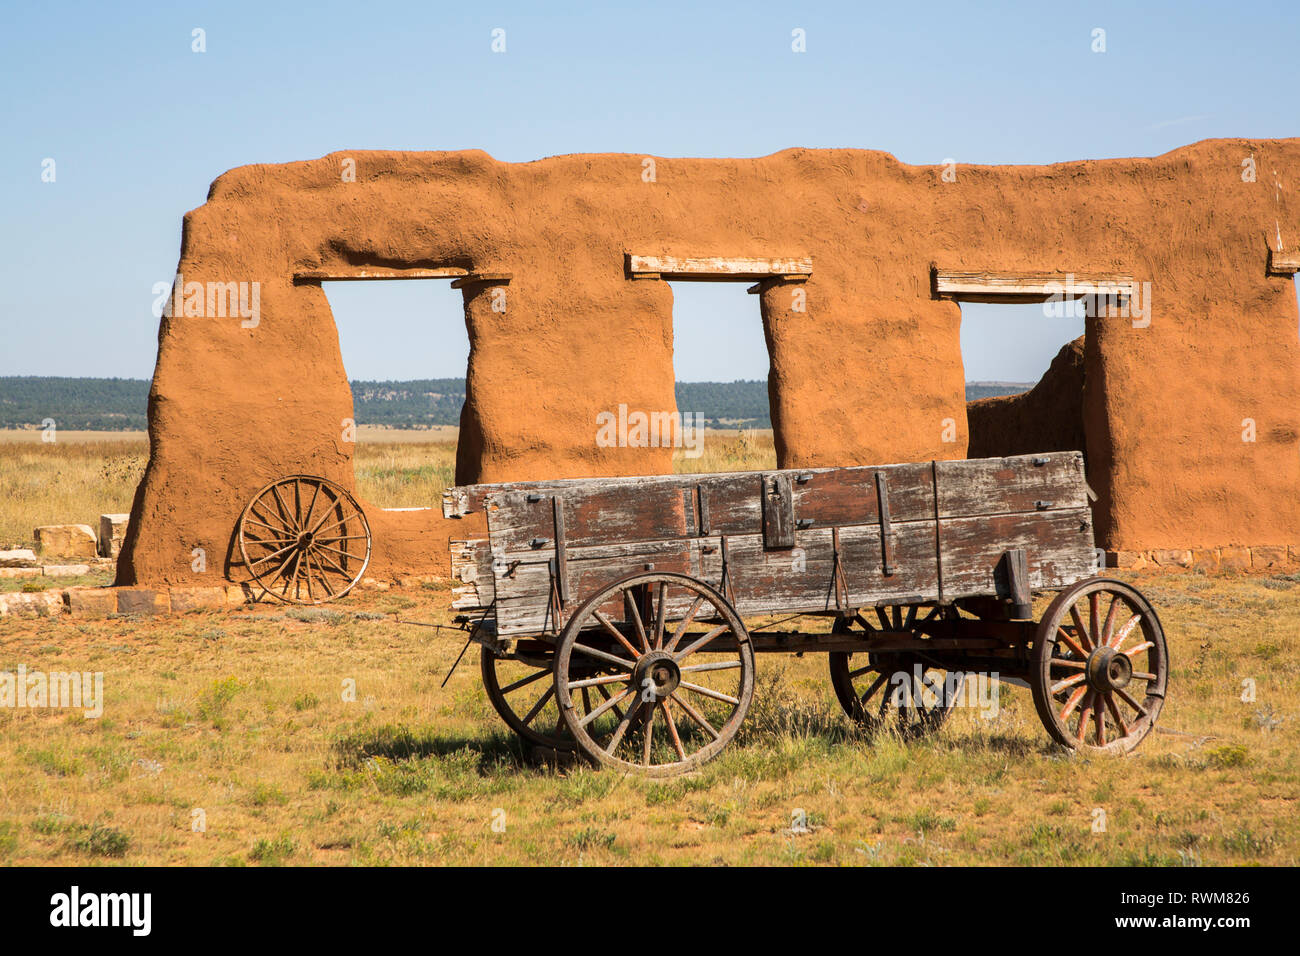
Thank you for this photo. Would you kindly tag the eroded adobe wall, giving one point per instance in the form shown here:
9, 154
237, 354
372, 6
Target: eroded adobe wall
870, 372
1048, 417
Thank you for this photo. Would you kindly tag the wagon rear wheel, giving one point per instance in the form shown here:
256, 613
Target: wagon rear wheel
304, 540
882, 691
677, 663
520, 686
1099, 667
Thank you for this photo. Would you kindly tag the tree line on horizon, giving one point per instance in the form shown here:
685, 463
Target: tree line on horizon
119, 404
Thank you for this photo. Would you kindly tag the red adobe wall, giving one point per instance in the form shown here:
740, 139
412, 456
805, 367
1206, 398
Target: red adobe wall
870, 372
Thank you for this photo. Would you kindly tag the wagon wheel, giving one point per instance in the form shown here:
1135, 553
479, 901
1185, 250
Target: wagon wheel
903, 691
521, 688
1099, 667
677, 661
304, 540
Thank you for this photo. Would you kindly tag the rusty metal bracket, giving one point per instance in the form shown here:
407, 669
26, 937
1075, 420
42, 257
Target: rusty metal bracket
726, 571
561, 567
778, 512
702, 510
886, 542
840, 581
554, 606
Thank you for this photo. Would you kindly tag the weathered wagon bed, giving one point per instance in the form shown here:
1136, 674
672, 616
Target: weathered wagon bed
923, 566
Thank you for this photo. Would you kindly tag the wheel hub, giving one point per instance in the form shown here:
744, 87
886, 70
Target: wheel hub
1108, 669
656, 674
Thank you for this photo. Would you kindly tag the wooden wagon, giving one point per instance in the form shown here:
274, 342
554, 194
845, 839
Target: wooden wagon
611, 611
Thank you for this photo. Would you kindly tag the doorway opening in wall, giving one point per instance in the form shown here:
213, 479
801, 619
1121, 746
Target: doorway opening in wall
406, 351
1024, 377
720, 363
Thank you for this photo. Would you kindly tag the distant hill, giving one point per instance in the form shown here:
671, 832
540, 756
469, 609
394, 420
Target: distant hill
976, 390
77, 404
118, 404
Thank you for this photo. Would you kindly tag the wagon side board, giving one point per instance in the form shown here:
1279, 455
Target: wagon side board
778, 541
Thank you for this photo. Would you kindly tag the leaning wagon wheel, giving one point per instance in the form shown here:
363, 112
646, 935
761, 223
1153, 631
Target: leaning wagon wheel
900, 691
304, 540
521, 688
1099, 667
677, 662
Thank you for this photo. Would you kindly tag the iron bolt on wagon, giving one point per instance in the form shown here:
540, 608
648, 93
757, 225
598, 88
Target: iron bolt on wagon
611, 611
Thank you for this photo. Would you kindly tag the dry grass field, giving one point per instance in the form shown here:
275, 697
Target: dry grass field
227, 738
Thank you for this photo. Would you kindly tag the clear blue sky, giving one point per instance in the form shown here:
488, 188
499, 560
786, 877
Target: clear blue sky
139, 125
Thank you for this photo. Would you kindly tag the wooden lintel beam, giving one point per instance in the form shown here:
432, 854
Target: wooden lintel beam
1283, 263
346, 273
963, 286
758, 287
714, 268
483, 278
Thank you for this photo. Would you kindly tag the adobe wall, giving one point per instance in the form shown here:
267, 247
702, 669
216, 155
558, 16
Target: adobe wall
870, 372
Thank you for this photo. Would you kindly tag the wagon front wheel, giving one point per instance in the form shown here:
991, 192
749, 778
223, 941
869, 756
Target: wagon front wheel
678, 667
1099, 667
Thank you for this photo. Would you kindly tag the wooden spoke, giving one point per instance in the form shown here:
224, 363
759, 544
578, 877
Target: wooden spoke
1080, 631
1068, 682
601, 655
537, 707
712, 666
685, 622
630, 602
1094, 619
621, 729
523, 682
1107, 630
598, 681
273, 554
709, 692
649, 732
1084, 713
875, 686
862, 622
672, 730
661, 615
691, 648
1122, 635
1114, 713
1128, 699
1073, 702
609, 704
617, 635
1070, 643
696, 716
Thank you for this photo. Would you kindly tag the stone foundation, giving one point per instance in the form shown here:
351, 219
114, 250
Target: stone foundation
1228, 558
